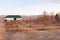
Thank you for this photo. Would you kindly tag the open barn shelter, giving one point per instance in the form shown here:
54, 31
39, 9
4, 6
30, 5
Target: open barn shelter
13, 17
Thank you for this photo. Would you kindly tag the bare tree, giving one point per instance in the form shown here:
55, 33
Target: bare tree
45, 16
52, 17
30, 22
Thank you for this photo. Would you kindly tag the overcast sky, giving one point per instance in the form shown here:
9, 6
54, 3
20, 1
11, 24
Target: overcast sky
28, 7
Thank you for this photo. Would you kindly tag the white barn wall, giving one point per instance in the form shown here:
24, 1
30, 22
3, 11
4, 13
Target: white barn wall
13, 18
19, 18
9, 18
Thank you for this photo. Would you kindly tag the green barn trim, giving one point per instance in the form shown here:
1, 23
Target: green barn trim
13, 16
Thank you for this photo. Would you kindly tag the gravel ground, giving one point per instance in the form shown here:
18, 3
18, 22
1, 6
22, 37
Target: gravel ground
41, 35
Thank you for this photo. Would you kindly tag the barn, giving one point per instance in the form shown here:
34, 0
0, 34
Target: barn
13, 17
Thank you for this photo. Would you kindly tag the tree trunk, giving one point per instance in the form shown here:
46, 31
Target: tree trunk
14, 19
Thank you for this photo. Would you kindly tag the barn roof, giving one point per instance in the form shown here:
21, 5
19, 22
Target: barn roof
13, 16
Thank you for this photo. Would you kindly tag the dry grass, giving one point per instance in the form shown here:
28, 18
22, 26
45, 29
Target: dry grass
38, 31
